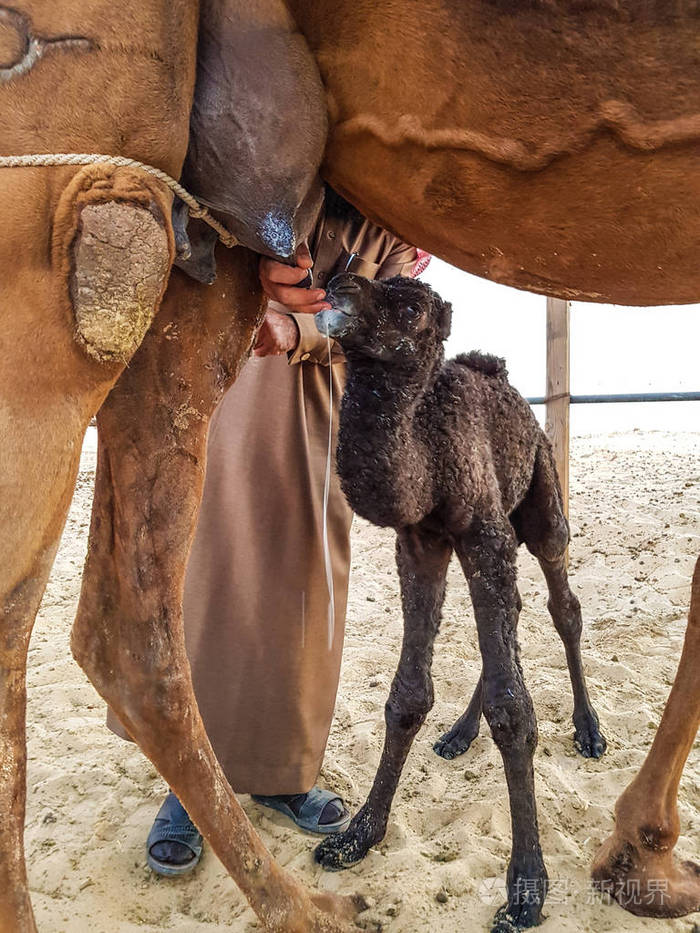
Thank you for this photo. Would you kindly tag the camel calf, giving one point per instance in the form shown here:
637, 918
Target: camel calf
451, 456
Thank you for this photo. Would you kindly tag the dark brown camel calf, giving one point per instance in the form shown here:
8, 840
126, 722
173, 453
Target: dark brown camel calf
450, 455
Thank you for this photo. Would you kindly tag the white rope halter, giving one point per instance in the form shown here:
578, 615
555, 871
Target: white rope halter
87, 158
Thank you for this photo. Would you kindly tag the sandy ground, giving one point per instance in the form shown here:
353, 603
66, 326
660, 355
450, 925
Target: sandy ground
636, 534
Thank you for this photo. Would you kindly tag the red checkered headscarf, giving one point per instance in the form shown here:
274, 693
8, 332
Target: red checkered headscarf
421, 263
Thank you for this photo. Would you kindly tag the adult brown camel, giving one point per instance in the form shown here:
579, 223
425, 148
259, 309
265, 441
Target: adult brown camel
85, 257
548, 145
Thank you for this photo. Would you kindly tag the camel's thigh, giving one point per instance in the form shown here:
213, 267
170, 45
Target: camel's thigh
55, 305
73, 309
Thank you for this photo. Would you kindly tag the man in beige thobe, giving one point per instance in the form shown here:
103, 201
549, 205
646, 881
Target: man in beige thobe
265, 659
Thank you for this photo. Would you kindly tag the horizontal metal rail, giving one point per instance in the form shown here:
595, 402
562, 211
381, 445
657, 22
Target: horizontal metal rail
635, 397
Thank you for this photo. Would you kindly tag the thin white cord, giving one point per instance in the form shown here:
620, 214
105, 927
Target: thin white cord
198, 210
326, 492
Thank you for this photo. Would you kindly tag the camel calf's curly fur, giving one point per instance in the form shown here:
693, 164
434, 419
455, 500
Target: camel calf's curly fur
451, 456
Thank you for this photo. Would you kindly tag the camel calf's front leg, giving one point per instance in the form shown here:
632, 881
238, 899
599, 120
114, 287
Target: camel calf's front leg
636, 864
422, 560
129, 634
487, 555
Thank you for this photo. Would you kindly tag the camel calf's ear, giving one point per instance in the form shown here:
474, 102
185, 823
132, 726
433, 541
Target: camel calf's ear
444, 316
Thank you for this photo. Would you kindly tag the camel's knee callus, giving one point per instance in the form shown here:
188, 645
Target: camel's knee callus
121, 260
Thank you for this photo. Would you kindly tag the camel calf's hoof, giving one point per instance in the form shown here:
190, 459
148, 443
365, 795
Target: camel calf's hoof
455, 742
121, 260
342, 850
588, 739
528, 917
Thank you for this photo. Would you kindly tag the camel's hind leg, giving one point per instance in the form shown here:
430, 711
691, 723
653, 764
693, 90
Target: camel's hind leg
129, 634
49, 389
539, 522
636, 864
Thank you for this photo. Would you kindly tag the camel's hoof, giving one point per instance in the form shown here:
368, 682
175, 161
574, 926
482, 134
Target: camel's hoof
451, 745
338, 912
521, 917
341, 850
645, 883
589, 740
458, 740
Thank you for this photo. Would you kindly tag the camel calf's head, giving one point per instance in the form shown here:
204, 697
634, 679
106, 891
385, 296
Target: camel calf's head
399, 320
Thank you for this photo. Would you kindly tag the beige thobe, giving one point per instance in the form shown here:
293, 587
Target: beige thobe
264, 661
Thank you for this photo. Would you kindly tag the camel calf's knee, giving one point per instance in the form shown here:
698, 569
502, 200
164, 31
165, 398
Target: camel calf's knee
407, 708
510, 714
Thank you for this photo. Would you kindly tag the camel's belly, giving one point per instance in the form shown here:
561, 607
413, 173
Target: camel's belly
547, 146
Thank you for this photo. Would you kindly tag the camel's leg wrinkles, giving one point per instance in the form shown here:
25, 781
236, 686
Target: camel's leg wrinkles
422, 561
636, 864
129, 633
487, 555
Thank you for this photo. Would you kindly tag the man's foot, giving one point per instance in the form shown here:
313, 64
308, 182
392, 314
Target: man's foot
318, 811
174, 844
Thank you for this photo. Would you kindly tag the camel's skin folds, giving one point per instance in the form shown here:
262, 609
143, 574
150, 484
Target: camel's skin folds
547, 144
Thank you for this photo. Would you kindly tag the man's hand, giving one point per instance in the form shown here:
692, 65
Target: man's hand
278, 282
278, 334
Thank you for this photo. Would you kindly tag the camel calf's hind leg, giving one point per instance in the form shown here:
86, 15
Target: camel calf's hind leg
636, 864
539, 522
460, 737
565, 610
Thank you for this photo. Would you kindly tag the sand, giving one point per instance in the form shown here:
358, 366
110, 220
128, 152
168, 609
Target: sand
635, 504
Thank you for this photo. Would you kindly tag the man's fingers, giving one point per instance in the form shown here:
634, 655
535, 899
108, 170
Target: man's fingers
314, 308
303, 257
277, 272
297, 298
